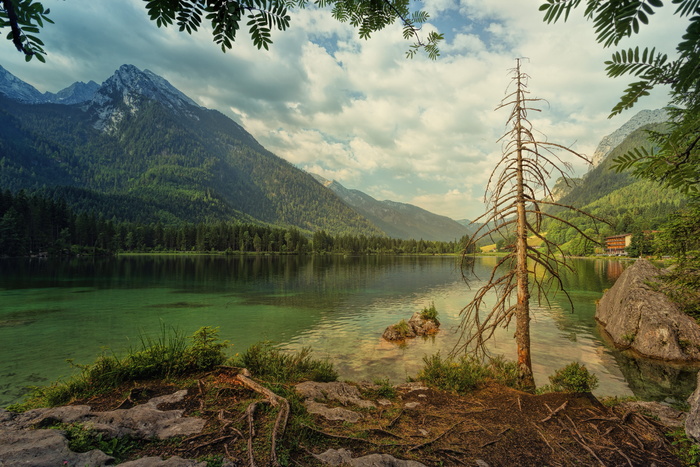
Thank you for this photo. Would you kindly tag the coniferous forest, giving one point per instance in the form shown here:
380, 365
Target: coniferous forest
33, 224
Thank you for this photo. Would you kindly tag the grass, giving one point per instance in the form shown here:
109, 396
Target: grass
276, 366
403, 328
465, 374
429, 313
171, 354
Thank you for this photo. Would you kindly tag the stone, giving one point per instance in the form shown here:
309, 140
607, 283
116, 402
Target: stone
396, 333
174, 461
345, 393
417, 326
344, 457
316, 393
423, 326
41, 448
692, 420
335, 413
639, 318
666, 415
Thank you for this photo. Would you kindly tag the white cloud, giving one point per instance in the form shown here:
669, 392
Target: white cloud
410, 130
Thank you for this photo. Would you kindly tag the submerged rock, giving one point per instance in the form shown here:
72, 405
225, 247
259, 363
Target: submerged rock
639, 318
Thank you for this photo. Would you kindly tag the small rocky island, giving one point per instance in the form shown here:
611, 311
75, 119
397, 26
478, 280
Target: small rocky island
422, 323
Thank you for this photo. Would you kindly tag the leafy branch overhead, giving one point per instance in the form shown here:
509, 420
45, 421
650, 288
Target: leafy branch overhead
676, 161
25, 18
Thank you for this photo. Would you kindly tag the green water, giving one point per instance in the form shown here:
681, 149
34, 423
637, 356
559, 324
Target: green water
54, 310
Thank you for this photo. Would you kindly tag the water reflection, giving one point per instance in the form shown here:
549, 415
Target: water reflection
337, 305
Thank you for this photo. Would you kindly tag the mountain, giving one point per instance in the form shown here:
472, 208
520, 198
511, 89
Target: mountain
139, 149
18, 90
74, 94
626, 204
614, 139
398, 220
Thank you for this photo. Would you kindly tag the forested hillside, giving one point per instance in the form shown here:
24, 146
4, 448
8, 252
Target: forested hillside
627, 204
137, 158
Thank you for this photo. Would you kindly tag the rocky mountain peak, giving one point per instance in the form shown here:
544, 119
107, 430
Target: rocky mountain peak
127, 89
611, 141
74, 94
16, 89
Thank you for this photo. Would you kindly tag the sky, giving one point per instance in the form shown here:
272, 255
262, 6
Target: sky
358, 111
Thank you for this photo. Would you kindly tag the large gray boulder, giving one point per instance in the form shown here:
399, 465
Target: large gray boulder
639, 318
692, 420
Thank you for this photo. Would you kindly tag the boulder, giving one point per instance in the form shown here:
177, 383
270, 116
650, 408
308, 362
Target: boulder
637, 317
422, 326
692, 420
396, 332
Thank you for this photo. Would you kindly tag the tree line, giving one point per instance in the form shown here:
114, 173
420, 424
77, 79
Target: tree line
32, 224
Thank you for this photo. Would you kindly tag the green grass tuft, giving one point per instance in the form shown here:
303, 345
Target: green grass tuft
430, 312
171, 354
276, 366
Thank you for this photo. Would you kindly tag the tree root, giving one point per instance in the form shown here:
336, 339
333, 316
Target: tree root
280, 423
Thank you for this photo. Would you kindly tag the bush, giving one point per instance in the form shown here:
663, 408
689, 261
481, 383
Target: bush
572, 378
276, 366
465, 374
430, 312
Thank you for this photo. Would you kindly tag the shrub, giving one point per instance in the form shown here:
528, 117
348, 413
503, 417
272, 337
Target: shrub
573, 378
274, 365
430, 312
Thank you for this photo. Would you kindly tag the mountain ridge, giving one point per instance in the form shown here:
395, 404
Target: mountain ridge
399, 220
140, 140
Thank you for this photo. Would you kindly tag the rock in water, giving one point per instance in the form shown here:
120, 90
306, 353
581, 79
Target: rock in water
644, 320
692, 420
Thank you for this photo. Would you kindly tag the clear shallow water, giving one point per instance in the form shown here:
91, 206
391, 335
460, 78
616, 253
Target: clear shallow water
51, 311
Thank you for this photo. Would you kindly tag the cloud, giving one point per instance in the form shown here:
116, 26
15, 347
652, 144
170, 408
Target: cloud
357, 110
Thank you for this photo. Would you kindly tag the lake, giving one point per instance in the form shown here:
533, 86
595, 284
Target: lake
55, 310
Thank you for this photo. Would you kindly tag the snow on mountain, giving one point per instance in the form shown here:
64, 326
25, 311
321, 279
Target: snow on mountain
74, 94
127, 89
611, 141
16, 89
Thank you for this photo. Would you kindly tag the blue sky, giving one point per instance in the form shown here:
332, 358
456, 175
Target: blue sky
358, 111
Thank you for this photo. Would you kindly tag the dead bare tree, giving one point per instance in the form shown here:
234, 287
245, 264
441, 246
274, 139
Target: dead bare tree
516, 196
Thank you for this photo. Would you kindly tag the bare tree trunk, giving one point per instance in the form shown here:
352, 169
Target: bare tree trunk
516, 193
522, 310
